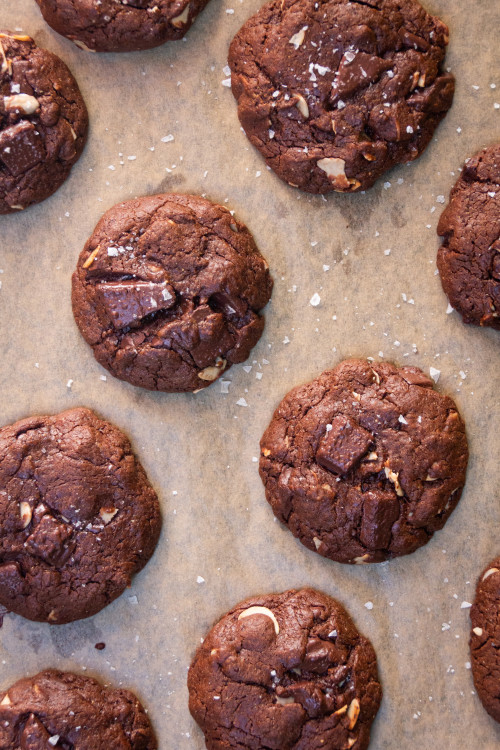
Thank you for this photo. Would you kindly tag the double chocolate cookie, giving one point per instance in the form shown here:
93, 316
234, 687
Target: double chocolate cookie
485, 638
120, 25
469, 258
366, 462
334, 93
168, 291
43, 122
71, 712
286, 671
78, 516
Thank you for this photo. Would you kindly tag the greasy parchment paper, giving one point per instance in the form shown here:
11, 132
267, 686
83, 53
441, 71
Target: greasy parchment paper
220, 542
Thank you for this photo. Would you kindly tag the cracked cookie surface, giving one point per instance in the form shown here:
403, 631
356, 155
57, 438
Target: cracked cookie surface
70, 712
334, 93
365, 462
469, 258
485, 638
78, 516
43, 122
285, 671
168, 291
120, 25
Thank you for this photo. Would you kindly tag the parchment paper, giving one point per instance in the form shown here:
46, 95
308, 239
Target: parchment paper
220, 542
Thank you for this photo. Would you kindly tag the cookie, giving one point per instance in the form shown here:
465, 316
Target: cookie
366, 462
335, 93
43, 122
120, 25
65, 710
78, 516
469, 258
168, 291
285, 671
485, 639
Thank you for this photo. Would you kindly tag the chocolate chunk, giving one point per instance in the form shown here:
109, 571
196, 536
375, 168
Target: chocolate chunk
127, 302
21, 147
343, 446
380, 511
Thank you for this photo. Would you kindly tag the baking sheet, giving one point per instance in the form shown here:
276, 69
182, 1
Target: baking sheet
220, 542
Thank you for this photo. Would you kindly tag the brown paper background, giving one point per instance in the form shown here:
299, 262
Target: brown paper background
199, 450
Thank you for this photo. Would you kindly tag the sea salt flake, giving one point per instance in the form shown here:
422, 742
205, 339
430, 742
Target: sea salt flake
200, 579
315, 300
434, 373
241, 402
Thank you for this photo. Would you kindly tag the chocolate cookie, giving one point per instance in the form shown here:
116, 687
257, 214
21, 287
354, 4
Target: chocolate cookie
485, 639
120, 25
71, 712
469, 258
366, 462
168, 291
334, 93
78, 516
286, 671
43, 122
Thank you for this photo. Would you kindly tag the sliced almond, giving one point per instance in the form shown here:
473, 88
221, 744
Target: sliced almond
26, 513
260, 611
6, 701
301, 105
340, 711
353, 713
428, 478
92, 257
375, 374
52, 616
17, 37
266, 452
393, 476
317, 542
333, 167
372, 456
23, 102
298, 38
181, 19
362, 559
213, 372
284, 701
421, 81
490, 573
107, 514
477, 631
357, 396
82, 45
350, 742
368, 156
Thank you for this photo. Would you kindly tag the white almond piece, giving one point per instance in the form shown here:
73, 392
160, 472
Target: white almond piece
301, 105
477, 631
332, 166
107, 514
284, 701
489, 573
340, 711
181, 19
372, 456
362, 559
25, 511
298, 38
353, 713
260, 611
24, 102
82, 45
317, 542
393, 477
6, 700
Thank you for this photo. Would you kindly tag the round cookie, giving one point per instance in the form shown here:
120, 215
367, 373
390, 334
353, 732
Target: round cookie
286, 671
168, 291
78, 516
43, 122
469, 258
334, 93
120, 25
365, 462
485, 639
65, 710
